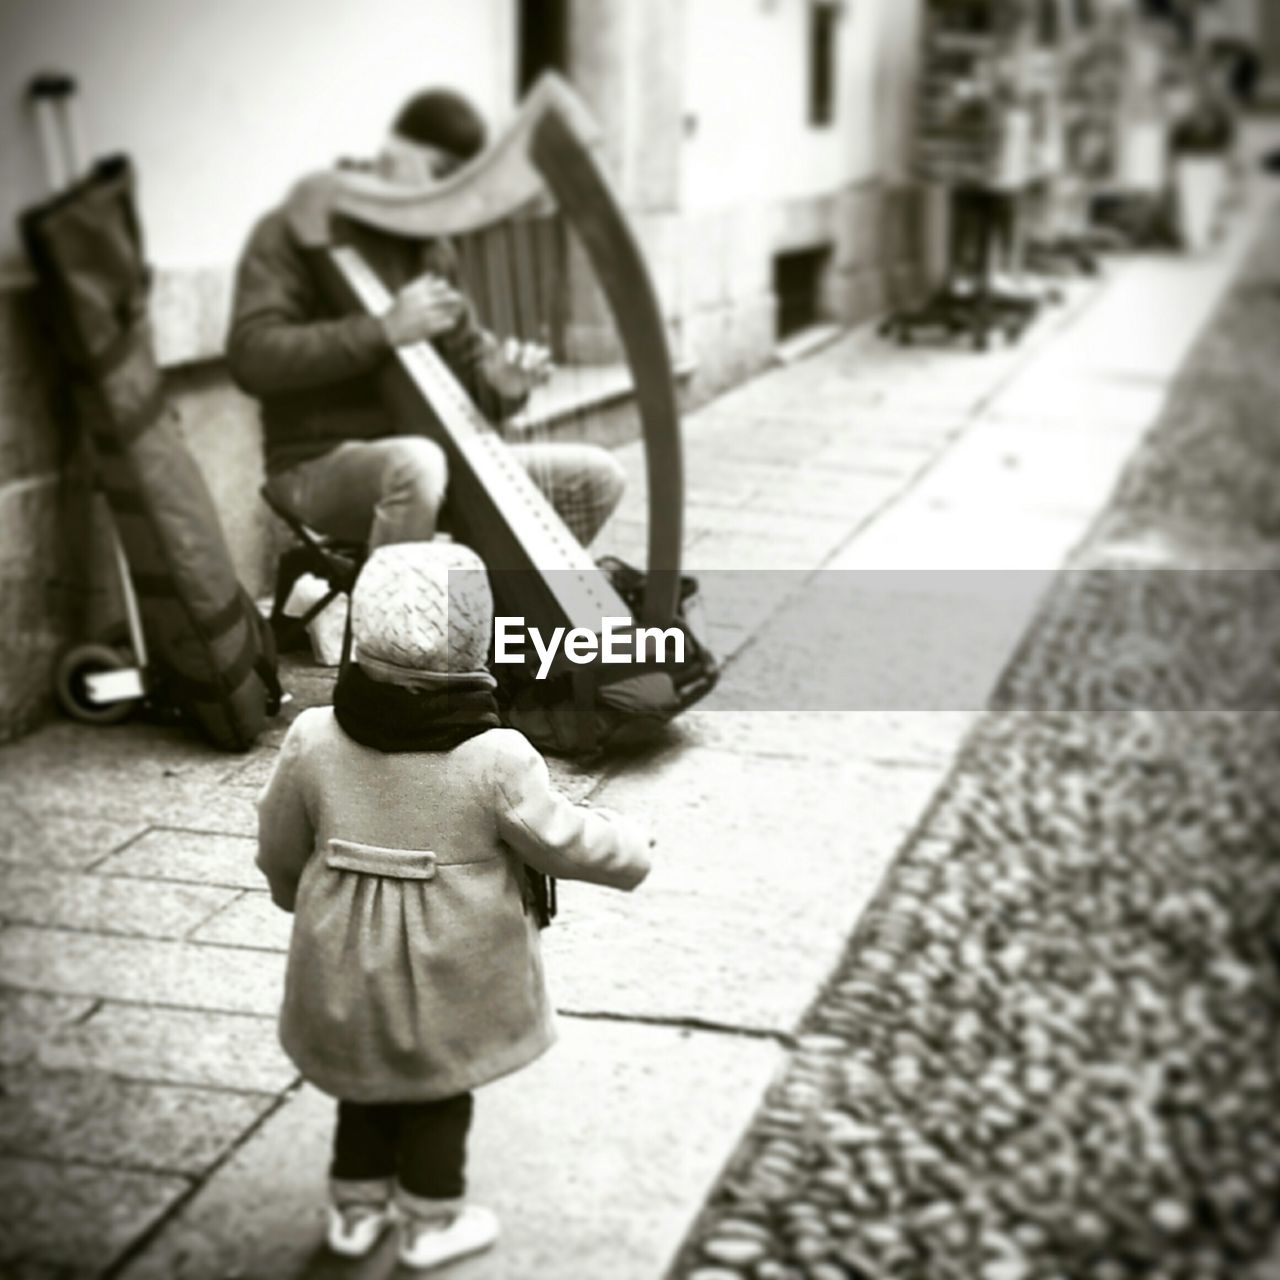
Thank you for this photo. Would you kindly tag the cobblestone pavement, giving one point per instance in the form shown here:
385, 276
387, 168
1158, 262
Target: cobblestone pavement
1050, 1050
149, 1125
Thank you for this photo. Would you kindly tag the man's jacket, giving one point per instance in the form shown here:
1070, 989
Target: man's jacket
315, 370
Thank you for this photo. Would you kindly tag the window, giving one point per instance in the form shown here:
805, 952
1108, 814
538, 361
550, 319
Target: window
797, 285
823, 15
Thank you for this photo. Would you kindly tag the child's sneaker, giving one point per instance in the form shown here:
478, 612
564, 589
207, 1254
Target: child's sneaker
428, 1242
354, 1228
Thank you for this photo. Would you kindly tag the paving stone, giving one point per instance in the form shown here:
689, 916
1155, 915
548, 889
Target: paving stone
252, 920
131, 798
96, 1119
178, 1046
875, 454
846, 432
812, 394
670, 1102
721, 489
879, 641
28, 1019
741, 599
71, 900
72, 1220
775, 446
1016, 469
852, 495
742, 473
914, 537
787, 851
920, 738
252, 775
129, 776
724, 639
142, 970
741, 549
61, 756
56, 840
197, 857
799, 524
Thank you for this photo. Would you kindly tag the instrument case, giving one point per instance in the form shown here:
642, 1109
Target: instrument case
203, 647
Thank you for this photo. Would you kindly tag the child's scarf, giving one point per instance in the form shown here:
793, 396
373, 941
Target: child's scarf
389, 717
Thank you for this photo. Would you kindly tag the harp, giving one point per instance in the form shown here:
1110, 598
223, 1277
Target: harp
540, 173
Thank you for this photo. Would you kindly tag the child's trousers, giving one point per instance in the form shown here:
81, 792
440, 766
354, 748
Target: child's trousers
422, 1145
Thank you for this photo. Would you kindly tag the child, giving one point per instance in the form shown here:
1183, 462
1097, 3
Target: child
397, 827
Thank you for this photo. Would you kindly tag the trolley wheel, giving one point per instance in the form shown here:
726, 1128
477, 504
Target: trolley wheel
72, 691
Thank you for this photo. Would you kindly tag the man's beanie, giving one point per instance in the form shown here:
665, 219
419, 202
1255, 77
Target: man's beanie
422, 606
444, 119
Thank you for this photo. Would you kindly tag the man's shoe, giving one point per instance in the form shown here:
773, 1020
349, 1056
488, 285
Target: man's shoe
425, 1244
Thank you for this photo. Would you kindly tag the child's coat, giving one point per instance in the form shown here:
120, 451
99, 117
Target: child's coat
414, 970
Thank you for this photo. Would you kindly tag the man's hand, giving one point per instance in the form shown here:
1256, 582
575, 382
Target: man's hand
425, 308
513, 368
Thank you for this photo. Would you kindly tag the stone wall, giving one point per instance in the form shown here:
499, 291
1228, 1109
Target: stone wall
722, 169
42, 528
722, 308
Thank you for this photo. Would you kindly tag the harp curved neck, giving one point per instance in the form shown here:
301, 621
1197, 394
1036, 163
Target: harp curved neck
499, 183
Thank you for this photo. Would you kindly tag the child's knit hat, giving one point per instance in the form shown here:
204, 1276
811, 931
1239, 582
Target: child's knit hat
422, 613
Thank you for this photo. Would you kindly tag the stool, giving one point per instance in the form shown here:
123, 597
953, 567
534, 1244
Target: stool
333, 561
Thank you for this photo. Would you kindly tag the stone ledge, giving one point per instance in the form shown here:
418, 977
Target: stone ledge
190, 310
37, 600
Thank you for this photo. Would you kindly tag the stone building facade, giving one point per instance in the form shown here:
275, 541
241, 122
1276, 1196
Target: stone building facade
761, 148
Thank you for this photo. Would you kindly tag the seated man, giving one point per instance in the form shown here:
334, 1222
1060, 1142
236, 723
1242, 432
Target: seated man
332, 454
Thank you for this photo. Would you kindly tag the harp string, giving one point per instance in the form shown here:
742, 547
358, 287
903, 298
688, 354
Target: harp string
580, 414
512, 306
485, 280
523, 248
517, 275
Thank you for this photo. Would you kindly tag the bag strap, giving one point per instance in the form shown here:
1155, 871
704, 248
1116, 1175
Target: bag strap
266, 665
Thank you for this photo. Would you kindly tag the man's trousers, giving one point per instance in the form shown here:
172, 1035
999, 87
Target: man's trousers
393, 489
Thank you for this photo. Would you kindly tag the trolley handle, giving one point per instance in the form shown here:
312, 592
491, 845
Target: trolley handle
54, 97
